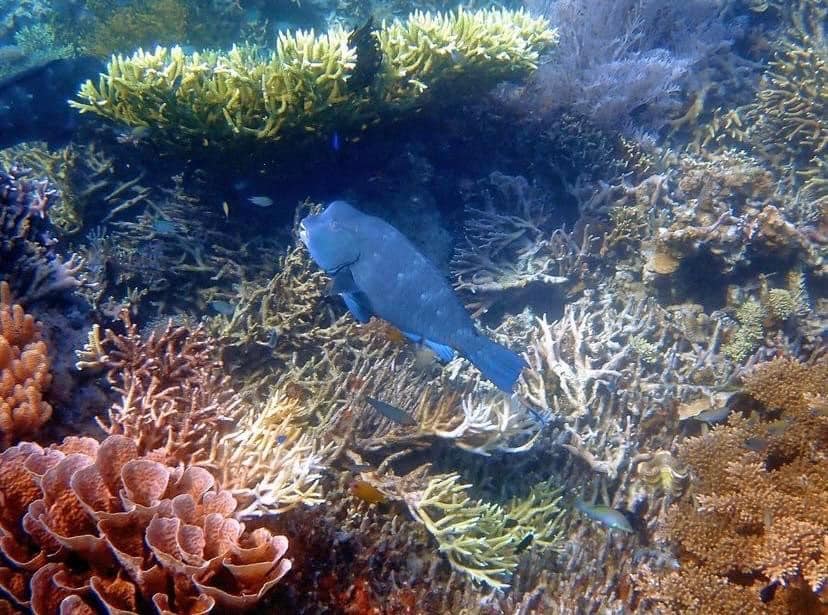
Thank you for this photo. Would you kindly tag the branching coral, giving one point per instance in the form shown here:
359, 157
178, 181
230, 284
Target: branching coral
509, 249
270, 462
24, 372
27, 253
174, 397
759, 512
85, 525
304, 83
479, 539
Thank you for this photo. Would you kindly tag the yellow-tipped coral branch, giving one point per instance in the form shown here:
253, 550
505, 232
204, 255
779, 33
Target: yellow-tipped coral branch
303, 85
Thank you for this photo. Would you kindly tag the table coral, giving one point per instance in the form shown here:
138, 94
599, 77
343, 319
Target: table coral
98, 525
24, 372
303, 86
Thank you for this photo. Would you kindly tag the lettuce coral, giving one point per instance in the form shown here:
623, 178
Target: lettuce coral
87, 524
24, 371
303, 86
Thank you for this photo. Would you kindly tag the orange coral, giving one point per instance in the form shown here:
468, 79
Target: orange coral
758, 525
24, 372
785, 383
84, 524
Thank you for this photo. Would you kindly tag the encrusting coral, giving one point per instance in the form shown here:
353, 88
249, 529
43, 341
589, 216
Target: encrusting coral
303, 86
89, 527
24, 372
756, 527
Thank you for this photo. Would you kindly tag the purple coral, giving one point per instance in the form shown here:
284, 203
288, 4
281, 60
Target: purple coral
27, 256
621, 62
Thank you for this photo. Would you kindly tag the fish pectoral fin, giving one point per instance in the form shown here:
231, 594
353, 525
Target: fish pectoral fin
359, 306
343, 282
443, 352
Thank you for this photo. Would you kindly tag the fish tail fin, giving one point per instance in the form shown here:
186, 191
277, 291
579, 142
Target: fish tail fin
497, 363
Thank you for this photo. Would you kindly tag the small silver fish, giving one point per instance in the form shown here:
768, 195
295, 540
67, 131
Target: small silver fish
223, 307
713, 415
261, 201
610, 517
391, 412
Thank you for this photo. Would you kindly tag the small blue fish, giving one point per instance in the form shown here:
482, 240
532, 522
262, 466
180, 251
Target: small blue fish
391, 412
261, 201
222, 307
163, 227
336, 142
610, 517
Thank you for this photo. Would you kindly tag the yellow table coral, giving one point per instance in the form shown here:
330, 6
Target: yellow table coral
303, 85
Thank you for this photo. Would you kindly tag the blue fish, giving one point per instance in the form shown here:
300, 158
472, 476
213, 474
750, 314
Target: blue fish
336, 142
610, 517
379, 272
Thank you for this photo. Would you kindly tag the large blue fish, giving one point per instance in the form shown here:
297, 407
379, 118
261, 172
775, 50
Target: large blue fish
378, 272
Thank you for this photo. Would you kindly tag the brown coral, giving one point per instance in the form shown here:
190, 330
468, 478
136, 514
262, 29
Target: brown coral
785, 383
759, 519
85, 524
24, 372
175, 398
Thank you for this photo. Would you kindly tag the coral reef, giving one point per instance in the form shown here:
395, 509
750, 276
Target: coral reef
88, 525
621, 64
510, 251
24, 372
28, 259
175, 400
303, 85
756, 525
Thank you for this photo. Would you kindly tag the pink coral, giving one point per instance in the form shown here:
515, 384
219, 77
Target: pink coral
85, 524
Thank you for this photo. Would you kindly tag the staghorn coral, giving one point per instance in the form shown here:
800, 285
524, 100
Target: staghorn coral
303, 85
175, 398
479, 539
758, 513
94, 525
270, 462
24, 372
510, 252
28, 260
